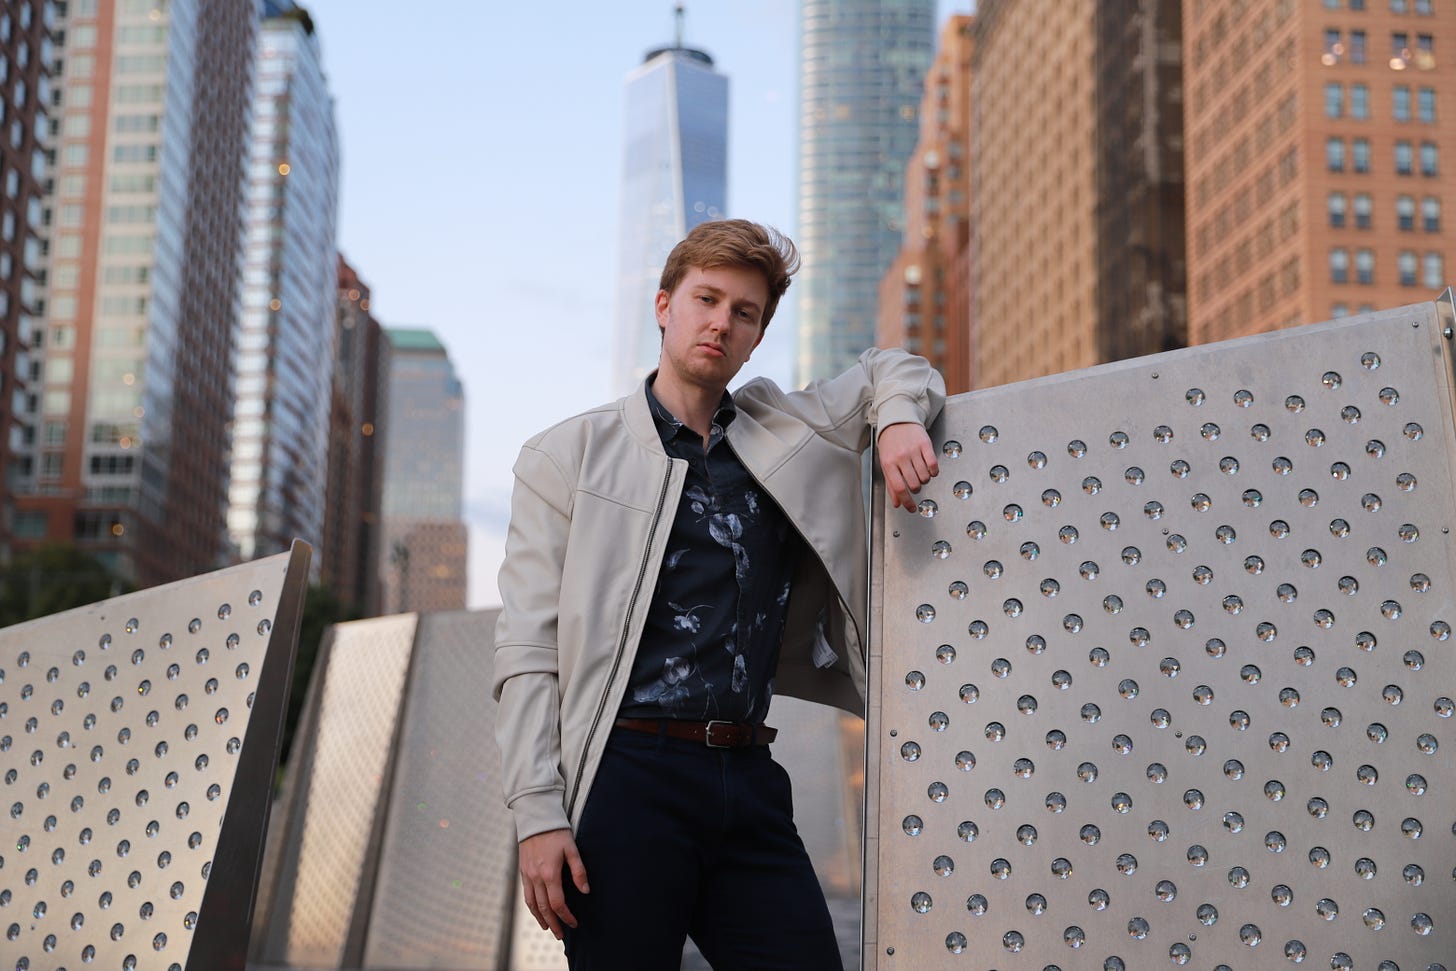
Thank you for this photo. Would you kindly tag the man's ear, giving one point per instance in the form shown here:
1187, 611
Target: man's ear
660, 307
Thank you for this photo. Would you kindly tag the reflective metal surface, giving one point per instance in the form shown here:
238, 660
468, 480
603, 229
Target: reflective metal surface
396, 851
1163, 673
136, 736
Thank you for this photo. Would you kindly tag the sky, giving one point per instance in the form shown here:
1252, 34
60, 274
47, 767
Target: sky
481, 158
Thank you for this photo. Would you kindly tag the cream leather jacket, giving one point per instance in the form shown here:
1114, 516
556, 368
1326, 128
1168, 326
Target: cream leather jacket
590, 513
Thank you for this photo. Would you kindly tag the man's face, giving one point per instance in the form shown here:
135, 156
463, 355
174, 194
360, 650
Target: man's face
710, 325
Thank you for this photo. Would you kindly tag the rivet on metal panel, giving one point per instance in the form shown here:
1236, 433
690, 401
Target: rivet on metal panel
889, 950
1155, 375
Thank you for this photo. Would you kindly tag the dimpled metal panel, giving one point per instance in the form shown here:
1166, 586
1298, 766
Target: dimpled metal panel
327, 876
129, 735
447, 864
1163, 674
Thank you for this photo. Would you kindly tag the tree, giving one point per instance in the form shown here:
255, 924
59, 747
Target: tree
52, 578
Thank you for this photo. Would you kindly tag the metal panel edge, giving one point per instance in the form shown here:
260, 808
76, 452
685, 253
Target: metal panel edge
226, 915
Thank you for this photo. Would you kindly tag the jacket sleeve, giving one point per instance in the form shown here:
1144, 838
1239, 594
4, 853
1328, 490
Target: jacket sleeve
528, 720
886, 386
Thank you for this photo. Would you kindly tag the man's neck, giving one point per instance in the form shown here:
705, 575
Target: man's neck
690, 404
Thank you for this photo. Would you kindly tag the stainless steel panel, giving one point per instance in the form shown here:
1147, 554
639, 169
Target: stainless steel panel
447, 868
1164, 672
326, 886
124, 727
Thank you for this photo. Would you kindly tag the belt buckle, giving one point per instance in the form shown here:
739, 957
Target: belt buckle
708, 733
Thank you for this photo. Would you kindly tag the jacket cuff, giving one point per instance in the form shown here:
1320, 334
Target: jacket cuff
539, 812
898, 410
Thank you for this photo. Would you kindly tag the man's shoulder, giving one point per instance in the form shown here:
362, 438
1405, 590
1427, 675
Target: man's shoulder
602, 416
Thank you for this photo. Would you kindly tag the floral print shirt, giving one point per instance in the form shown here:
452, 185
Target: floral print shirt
711, 641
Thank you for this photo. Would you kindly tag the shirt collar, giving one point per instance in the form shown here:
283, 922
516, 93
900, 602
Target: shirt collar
669, 427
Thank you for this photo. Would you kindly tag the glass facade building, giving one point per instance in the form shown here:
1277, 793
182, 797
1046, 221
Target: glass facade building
290, 288
134, 391
861, 77
674, 176
423, 540
25, 95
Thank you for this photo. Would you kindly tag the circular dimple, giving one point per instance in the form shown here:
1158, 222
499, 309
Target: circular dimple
962, 490
1194, 396
1228, 465
988, 434
951, 449
1375, 448
920, 902
1076, 448
976, 529
912, 825
1374, 918
1036, 460
993, 569
1413, 431
1259, 432
955, 942
1339, 471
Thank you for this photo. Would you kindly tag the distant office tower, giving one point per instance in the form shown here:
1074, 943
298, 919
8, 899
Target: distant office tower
423, 540
674, 176
135, 398
925, 294
1142, 271
350, 552
1076, 182
25, 49
861, 77
1319, 162
290, 293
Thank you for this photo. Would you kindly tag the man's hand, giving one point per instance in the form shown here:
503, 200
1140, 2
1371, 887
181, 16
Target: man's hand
908, 460
542, 858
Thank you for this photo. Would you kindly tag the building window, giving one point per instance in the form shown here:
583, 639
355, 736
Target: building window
1337, 205
1400, 102
1360, 154
1339, 310
1357, 47
1333, 47
1359, 101
1429, 161
1423, 7
1431, 214
1365, 266
1406, 266
1426, 105
1403, 158
1339, 266
1435, 274
1399, 48
1334, 100
1335, 154
1357, 4
1405, 214
1399, 6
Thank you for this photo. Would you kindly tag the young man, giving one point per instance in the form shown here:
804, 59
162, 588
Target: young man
673, 558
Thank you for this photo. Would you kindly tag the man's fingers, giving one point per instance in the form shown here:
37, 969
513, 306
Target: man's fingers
531, 904
895, 485
557, 899
578, 869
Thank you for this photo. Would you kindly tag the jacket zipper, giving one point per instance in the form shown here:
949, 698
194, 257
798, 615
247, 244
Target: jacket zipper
622, 644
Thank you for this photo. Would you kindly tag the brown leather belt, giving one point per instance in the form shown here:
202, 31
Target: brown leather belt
714, 734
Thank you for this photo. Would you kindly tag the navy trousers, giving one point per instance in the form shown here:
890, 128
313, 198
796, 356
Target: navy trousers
677, 839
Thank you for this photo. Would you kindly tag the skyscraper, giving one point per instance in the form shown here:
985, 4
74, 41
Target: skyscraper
25, 91
925, 294
423, 540
290, 288
674, 176
1319, 161
350, 554
1077, 186
861, 77
135, 394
